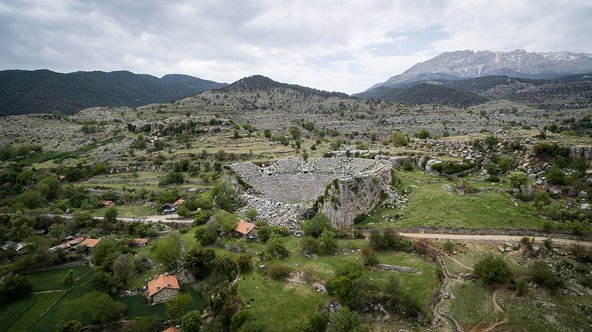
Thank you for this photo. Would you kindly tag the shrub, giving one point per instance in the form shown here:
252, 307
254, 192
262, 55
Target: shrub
276, 249
448, 246
369, 257
542, 275
423, 134
345, 320
521, 288
13, 288
581, 253
244, 263
389, 240
398, 139
277, 271
492, 269
316, 225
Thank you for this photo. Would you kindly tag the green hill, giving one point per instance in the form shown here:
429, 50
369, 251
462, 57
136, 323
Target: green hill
44, 91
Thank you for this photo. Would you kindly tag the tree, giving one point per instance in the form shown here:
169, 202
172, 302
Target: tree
344, 320
199, 262
226, 221
226, 198
105, 309
111, 214
124, 268
316, 225
105, 253
69, 278
105, 282
167, 252
191, 321
517, 179
327, 243
251, 214
492, 269
206, 235
178, 306
14, 287
68, 326
423, 134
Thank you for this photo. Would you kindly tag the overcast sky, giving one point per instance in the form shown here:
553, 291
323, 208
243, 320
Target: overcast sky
332, 45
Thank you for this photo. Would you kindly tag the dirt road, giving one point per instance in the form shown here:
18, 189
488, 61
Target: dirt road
490, 238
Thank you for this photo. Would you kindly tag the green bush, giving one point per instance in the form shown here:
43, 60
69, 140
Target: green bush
492, 269
542, 275
277, 271
316, 225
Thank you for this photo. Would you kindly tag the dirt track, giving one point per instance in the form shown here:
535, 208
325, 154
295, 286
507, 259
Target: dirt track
491, 238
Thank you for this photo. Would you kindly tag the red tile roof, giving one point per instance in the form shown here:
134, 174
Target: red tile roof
162, 281
90, 243
172, 329
244, 227
107, 202
178, 202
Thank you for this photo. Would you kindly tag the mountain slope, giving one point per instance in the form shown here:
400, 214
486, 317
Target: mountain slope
425, 93
261, 83
44, 91
517, 63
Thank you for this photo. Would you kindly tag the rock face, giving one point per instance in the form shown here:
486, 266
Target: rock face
290, 190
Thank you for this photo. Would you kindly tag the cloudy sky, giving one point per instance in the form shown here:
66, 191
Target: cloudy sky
328, 44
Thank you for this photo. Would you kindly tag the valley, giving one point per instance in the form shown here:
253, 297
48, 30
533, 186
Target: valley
278, 207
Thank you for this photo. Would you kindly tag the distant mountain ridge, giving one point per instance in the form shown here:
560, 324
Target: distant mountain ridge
45, 91
573, 91
517, 63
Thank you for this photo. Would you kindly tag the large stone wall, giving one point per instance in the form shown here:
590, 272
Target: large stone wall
288, 191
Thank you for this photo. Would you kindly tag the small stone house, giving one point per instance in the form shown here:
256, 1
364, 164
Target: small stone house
162, 288
246, 230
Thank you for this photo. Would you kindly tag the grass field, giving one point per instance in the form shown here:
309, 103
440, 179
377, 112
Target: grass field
430, 205
281, 305
42, 311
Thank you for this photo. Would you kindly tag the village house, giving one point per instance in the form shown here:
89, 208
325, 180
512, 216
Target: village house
107, 203
167, 208
246, 230
162, 288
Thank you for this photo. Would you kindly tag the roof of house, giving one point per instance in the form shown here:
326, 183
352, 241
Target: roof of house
140, 241
172, 329
244, 227
178, 202
75, 241
107, 202
161, 282
90, 243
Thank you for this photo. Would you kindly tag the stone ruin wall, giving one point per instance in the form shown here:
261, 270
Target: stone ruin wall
288, 191
349, 197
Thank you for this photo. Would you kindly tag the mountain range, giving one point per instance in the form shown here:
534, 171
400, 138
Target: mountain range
459, 79
45, 91
517, 63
